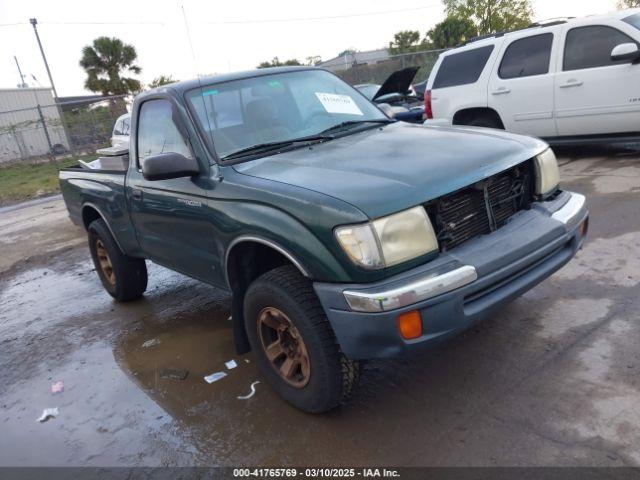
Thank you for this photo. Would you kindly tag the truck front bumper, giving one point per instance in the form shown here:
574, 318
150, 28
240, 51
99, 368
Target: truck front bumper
460, 287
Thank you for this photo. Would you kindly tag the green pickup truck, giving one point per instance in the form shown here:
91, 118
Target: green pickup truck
343, 235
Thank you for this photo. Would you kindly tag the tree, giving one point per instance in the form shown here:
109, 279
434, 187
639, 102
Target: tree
405, 41
105, 61
451, 31
275, 62
162, 80
490, 16
313, 60
622, 4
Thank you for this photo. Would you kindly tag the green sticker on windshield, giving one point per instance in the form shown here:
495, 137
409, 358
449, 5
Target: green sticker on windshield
210, 92
274, 83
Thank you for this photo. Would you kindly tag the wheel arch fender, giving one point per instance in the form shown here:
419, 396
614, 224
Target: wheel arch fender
466, 114
91, 212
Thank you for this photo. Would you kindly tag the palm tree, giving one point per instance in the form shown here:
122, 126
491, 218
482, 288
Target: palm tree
105, 61
162, 80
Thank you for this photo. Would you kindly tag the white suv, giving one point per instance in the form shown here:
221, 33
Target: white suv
569, 81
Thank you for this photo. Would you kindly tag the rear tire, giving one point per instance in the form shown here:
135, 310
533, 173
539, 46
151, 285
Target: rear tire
123, 277
282, 312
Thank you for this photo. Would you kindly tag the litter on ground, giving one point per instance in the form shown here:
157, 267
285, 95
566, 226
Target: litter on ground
57, 387
230, 364
151, 343
174, 374
252, 393
214, 377
47, 413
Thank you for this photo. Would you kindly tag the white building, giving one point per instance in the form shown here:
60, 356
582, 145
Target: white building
349, 58
22, 132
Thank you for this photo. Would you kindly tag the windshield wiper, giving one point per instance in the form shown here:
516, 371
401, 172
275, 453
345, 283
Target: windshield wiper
268, 146
350, 123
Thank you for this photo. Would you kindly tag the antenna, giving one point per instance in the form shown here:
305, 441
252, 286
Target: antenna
22, 83
195, 65
193, 53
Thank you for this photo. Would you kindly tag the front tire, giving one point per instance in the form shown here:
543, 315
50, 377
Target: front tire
296, 348
123, 277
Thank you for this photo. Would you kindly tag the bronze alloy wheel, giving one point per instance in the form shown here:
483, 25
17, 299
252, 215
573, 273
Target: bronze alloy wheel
105, 262
284, 347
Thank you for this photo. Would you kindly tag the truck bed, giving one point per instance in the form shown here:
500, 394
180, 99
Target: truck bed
102, 190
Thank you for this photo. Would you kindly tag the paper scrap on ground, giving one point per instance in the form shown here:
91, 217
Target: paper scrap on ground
151, 343
173, 373
252, 393
334, 103
47, 413
230, 364
57, 387
214, 377
246, 360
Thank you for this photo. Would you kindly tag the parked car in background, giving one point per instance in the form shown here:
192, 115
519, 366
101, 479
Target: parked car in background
121, 131
396, 96
342, 235
568, 81
420, 88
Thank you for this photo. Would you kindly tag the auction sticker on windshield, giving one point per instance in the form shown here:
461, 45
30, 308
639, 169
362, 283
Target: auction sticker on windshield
334, 103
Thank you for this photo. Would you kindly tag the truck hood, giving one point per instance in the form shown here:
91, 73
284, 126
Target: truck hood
385, 170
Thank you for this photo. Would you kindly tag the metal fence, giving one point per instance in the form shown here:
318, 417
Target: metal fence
48, 131
376, 70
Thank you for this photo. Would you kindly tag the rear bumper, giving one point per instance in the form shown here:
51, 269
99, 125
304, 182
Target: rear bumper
459, 288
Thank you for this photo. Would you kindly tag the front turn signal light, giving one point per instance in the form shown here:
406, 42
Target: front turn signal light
410, 325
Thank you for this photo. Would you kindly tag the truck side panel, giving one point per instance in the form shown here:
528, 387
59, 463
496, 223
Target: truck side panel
87, 192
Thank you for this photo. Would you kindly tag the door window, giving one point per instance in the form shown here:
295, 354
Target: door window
527, 57
157, 132
590, 47
462, 68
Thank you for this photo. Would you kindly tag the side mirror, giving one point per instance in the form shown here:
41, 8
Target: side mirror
626, 52
169, 165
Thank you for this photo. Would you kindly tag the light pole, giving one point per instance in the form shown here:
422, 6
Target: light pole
34, 22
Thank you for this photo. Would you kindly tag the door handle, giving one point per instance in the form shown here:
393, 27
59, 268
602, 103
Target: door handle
136, 193
571, 83
501, 91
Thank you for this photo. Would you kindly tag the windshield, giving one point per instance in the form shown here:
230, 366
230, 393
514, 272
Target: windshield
239, 114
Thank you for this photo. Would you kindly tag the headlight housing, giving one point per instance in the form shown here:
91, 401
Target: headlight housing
390, 240
547, 174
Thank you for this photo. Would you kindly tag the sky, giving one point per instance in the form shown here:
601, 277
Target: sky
225, 35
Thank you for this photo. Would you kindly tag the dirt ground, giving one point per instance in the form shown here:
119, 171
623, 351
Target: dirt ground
554, 379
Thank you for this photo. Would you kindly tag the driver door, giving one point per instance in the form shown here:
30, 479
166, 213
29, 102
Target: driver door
169, 216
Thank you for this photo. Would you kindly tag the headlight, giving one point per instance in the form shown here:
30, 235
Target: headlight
547, 174
389, 240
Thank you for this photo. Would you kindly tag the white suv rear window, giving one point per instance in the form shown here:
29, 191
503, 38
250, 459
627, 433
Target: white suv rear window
462, 68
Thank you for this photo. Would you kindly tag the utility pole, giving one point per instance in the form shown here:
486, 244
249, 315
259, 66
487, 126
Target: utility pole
22, 83
34, 22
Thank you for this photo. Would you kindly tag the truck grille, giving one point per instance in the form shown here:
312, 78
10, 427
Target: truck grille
481, 208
